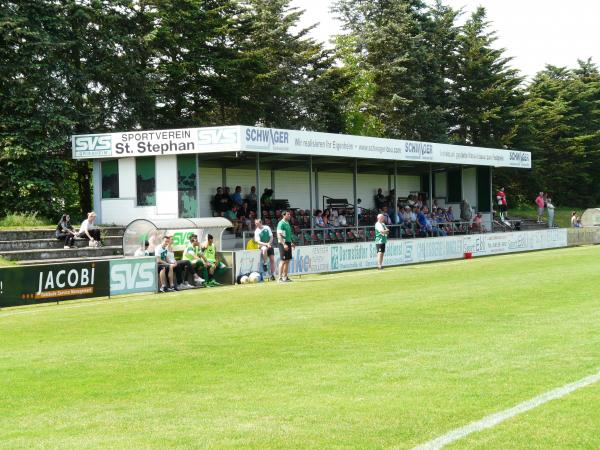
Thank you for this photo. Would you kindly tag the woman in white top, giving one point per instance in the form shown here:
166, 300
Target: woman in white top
89, 231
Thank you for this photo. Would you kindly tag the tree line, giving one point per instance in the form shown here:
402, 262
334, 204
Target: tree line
401, 69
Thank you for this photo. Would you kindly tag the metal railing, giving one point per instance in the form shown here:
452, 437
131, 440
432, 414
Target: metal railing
326, 235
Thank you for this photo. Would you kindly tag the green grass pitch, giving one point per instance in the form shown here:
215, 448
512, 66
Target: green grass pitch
357, 360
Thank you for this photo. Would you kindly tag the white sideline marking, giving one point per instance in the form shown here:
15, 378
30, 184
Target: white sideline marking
499, 417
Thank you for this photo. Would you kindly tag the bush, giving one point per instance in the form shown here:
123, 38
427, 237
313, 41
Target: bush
23, 220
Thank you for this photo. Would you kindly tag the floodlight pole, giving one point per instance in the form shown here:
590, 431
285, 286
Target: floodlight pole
354, 179
258, 191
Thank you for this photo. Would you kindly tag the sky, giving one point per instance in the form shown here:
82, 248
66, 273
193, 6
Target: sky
533, 32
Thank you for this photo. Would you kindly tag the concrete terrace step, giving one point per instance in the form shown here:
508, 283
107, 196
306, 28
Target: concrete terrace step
60, 253
47, 244
67, 260
49, 233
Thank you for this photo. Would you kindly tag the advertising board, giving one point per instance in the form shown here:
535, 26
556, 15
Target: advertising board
131, 275
362, 255
24, 285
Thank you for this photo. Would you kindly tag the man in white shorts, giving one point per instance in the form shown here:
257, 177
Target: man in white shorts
263, 236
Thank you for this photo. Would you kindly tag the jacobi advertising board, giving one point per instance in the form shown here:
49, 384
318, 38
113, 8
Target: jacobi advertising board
271, 140
23, 285
362, 255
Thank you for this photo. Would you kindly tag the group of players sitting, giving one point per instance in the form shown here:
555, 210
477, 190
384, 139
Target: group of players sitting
196, 268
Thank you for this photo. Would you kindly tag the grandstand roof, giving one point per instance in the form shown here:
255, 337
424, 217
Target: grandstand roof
235, 140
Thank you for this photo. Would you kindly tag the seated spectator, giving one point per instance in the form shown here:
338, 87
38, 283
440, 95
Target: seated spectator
574, 219
89, 231
579, 224
327, 218
193, 254
420, 201
410, 201
477, 226
214, 263
143, 250
266, 200
165, 269
244, 216
450, 215
220, 202
386, 216
181, 268
319, 222
64, 231
341, 219
252, 198
360, 209
406, 221
232, 215
237, 196
379, 199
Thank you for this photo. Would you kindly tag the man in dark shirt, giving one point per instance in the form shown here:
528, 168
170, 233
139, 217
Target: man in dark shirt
379, 199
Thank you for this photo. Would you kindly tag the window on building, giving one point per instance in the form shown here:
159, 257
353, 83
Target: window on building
186, 185
110, 178
145, 169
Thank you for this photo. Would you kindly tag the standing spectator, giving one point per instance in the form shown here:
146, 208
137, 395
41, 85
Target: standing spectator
64, 230
503, 205
466, 212
360, 209
550, 208
237, 196
252, 199
263, 236
379, 199
539, 202
284, 239
89, 231
381, 236
574, 219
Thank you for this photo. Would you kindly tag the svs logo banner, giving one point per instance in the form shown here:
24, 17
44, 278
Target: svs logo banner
132, 275
53, 282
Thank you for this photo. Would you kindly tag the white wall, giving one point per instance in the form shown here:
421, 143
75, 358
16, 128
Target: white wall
293, 186
209, 178
122, 211
246, 178
167, 195
368, 184
405, 184
127, 178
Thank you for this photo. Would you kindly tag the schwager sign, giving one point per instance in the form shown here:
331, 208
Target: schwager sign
53, 282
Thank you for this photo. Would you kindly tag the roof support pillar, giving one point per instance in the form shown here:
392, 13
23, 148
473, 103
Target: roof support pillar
354, 190
430, 187
310, 190
258, 189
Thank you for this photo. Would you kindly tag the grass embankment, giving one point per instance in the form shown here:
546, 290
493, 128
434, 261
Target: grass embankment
355, 360
562, 215
27, 221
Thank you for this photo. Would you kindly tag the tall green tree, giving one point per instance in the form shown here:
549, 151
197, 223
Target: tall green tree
562, 113
403, 49
485, 89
